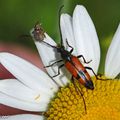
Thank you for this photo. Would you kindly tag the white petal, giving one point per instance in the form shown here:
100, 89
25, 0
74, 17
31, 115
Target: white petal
27, 73
86, 39
49, 55
67, 31
112, 64
15, 94
22, 117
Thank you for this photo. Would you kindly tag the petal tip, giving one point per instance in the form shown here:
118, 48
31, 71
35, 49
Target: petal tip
63, 15
31, 31
80, 7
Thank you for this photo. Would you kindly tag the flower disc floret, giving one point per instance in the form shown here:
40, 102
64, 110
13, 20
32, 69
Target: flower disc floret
101, 103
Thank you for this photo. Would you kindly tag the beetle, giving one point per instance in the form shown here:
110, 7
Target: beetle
74, 66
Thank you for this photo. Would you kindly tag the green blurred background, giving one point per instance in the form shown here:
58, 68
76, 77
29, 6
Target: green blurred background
17, 17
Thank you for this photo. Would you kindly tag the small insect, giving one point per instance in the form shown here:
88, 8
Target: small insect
38, 33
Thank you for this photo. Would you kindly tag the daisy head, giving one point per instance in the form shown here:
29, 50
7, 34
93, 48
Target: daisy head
58, 98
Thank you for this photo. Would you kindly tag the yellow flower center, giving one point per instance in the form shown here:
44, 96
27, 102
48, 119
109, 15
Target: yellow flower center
102, 103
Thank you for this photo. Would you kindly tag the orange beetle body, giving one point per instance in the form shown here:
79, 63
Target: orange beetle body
78, 71
71, 62
76, 68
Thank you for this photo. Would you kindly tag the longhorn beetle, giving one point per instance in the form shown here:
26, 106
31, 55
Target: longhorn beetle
71, 62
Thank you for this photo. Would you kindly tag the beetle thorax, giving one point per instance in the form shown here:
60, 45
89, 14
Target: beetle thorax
66, 55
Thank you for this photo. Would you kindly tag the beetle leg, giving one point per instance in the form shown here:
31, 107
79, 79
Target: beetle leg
89, 68
70, 46
53, 63
54, 80
79, 92
42, 113
81, 56
58, 70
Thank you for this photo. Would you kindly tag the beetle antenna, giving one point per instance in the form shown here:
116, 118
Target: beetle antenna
59, 25
49, 44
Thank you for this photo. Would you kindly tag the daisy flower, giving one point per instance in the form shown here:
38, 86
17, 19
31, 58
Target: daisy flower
35, 90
